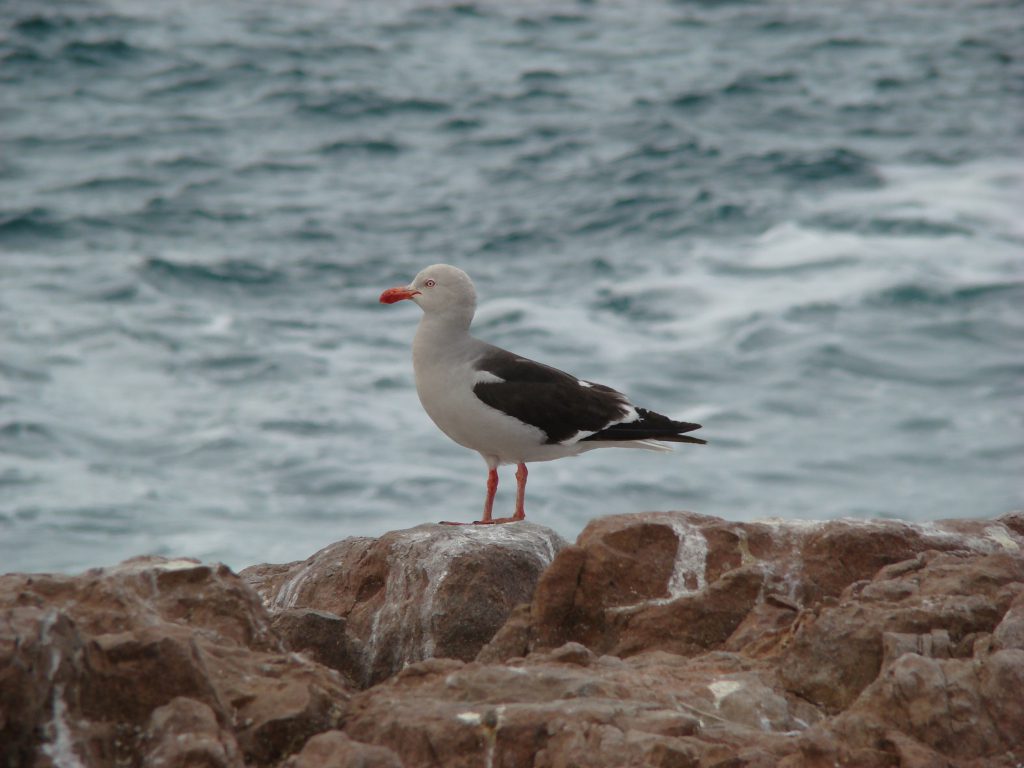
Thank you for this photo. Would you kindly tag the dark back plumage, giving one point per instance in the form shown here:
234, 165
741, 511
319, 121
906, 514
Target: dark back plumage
562, 406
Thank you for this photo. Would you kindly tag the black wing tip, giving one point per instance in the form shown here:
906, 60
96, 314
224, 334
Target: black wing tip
613, 436
657, 428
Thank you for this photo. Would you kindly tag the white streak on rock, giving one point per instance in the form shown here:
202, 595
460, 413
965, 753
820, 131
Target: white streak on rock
722, 688
691, 558
288, 594
994, 538
999, 535
492, 735
691, 561
61, 748
47, 624
149, 564
172, 565
794, 524
413, 567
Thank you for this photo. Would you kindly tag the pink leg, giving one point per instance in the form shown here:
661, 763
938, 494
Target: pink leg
492, 488
520, 513
521, 473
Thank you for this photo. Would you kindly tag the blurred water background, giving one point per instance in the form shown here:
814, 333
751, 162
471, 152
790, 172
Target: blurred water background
801, 224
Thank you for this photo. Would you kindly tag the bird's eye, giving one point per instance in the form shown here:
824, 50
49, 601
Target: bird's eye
430, 283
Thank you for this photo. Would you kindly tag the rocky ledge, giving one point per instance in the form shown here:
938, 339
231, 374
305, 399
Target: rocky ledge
657, 639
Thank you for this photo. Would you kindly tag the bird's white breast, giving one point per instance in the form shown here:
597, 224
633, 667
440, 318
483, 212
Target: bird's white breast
443, 363
446, 392
445, 377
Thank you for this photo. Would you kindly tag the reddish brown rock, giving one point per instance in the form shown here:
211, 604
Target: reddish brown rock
184, 733
430, 591
1010, 632
151, 590
40, 649
764, 628
569, 707
958, 712
821, 610
102, 667
334, 749
656, 640
689, 624
323, 636
1014, 521
930, 608
650, 565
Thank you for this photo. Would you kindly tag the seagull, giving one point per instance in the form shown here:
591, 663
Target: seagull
507, 408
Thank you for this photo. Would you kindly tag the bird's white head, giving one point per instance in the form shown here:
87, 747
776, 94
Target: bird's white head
441, 290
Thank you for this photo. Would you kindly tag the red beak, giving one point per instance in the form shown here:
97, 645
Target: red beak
391, 295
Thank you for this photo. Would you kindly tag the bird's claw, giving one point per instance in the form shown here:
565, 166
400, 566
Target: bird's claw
494, 521
497, 521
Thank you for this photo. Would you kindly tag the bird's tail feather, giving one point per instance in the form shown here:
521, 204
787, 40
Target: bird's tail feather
649, 445
649, 426
680, 439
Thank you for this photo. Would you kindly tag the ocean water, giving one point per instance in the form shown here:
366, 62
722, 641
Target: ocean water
801, 224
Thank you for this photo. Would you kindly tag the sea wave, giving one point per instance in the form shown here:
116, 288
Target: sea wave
232, 272
798, 224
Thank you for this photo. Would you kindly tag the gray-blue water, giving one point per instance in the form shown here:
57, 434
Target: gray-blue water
798, 223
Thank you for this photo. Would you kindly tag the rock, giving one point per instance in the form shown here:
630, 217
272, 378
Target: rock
764, 628
430, 591
1010, 632
913, 754
1014, 521
322, 635
152, 590
184, 733
660, 639
838, 651
513, 640
959, 712
569, 707
40, 650
815, 614
573, 653
690, 624
651, 565
111, 664
334, 749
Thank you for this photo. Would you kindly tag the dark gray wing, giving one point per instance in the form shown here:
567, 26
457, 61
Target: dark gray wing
558, 404
562, 406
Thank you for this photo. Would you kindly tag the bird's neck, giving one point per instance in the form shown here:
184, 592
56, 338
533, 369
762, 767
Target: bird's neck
442, 334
